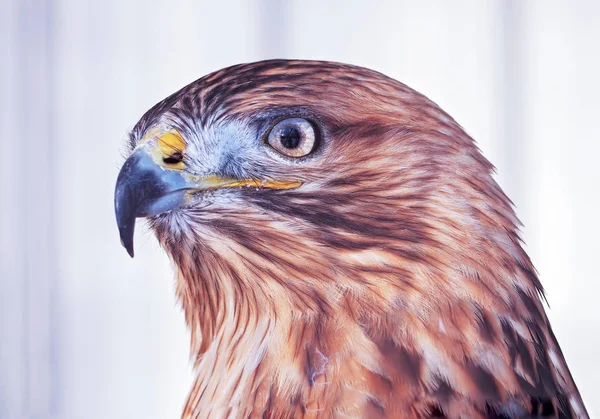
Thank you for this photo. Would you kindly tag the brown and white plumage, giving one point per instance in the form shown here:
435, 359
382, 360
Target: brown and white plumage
392, 283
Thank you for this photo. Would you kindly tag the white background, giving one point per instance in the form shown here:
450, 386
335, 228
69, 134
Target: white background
86, 332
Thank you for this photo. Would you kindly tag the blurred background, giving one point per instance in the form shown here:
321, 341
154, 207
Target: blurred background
86, 332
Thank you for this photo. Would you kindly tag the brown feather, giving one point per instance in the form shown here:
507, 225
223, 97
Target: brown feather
391, 284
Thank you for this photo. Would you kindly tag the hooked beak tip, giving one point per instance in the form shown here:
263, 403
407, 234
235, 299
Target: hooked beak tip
129, 249
127, 240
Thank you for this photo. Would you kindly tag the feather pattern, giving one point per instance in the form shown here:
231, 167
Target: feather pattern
392, 284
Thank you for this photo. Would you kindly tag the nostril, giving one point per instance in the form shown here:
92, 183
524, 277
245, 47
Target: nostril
174, 158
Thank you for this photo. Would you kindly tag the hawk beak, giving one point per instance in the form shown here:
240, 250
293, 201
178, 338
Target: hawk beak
144, 188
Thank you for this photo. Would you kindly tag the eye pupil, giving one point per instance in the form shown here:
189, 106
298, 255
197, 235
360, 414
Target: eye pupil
290, 137
174, 158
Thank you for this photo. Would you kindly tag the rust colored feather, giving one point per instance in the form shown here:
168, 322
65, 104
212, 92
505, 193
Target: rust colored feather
392, 284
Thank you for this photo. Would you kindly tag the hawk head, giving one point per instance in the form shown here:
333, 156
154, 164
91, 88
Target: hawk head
321, 208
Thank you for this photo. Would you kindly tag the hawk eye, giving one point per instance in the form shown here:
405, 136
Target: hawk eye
294, 137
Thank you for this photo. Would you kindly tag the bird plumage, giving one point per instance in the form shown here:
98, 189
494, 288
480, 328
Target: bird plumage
392, 283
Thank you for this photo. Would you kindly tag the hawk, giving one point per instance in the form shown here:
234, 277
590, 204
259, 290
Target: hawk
342, 250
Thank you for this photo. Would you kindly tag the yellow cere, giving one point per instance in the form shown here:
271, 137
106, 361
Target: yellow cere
163, 145
171, 142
